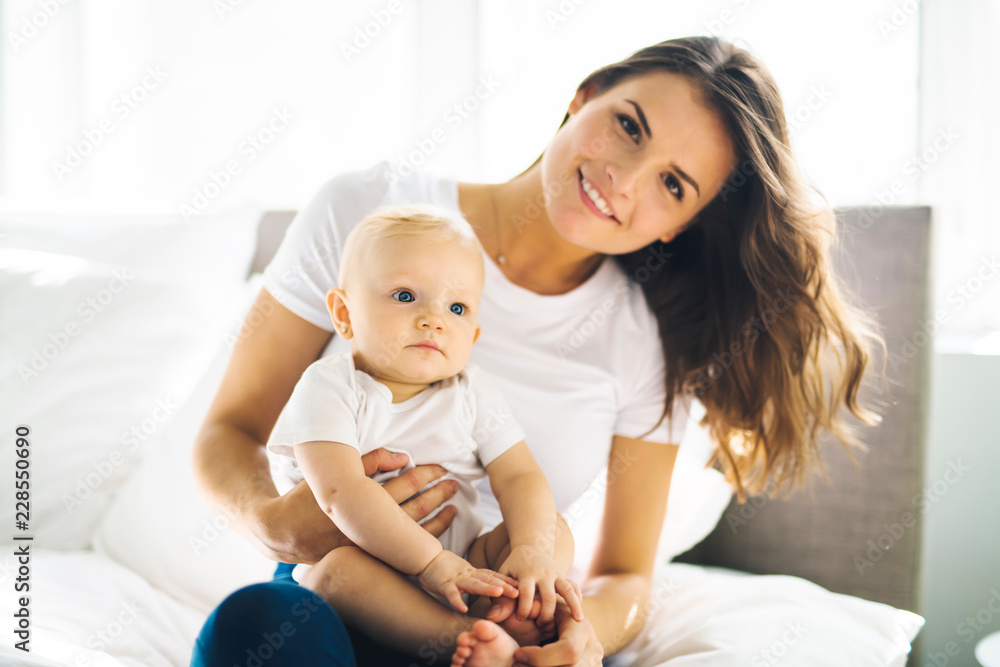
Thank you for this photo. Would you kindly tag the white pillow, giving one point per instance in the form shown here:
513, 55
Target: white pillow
94, 359
210, 248
713, 616
160, 527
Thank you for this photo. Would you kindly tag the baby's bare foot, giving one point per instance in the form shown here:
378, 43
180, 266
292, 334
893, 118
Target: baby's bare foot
487, 645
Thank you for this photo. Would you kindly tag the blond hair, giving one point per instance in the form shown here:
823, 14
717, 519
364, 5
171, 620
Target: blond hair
420, 224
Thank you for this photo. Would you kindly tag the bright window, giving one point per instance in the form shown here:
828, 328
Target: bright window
216, 103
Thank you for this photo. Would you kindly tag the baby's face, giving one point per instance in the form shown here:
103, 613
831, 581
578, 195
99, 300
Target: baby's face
413, 294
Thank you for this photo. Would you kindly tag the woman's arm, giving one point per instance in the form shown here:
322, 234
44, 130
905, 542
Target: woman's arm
616, 593
230, 461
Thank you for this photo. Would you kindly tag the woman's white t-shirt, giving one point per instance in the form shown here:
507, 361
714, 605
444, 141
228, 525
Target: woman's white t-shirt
576, 368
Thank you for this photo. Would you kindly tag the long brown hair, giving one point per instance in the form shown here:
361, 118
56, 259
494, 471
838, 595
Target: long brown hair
752, 318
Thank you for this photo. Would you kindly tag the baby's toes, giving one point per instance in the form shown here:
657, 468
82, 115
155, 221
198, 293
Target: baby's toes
460, 657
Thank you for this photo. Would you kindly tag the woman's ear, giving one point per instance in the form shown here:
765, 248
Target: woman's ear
667, 238
582, 95
336, 304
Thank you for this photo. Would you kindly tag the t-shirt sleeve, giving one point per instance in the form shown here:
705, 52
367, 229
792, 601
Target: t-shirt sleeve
495, 430
323, 406
645, 402
307, 262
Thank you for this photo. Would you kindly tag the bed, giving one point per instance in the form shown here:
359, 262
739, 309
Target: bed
116, 331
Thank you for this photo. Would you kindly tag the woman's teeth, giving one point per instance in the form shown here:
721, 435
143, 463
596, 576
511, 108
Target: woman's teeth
599, 202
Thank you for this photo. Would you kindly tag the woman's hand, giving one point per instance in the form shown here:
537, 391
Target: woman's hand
577, 646
293, 529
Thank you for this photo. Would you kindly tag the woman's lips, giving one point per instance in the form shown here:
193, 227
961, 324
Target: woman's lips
587, 201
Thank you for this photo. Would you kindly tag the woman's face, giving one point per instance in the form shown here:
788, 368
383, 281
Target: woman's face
650, 154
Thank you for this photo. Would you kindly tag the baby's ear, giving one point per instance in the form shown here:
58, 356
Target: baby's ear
336, 305
475, 336
330, 300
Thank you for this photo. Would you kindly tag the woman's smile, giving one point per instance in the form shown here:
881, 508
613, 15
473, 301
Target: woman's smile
593, 200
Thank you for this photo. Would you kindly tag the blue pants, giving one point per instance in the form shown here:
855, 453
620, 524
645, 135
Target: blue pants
271, 624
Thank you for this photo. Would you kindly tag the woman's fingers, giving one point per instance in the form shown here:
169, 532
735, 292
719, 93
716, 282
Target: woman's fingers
557, 654
500, 609
408, 485
381, 460
577, 646
440, 522
304, 533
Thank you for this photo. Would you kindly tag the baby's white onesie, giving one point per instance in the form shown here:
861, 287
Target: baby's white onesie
461, 423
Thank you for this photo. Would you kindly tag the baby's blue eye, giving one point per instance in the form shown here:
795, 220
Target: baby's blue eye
460, 307
406, 292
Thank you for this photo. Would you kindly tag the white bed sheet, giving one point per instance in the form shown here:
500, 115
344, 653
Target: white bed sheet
87, 610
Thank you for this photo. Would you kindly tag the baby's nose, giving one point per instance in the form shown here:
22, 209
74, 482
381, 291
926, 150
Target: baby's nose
432, 317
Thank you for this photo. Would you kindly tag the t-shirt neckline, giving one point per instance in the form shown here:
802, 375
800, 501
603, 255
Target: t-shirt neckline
592, 290
386, 393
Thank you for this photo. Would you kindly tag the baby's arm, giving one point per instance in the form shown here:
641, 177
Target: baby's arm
367, 515
529, 515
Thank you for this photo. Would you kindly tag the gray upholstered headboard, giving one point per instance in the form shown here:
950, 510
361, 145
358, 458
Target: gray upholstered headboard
270, 231
838, 537
861, 535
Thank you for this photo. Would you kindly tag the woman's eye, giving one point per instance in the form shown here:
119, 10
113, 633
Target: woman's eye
629, 125
458, 309
406, 296
674, 186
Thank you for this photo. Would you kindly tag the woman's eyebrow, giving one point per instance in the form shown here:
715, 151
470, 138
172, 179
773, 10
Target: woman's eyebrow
645, 126
687, 178
642, 118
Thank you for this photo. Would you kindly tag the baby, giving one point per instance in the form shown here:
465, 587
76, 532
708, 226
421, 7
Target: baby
411, 280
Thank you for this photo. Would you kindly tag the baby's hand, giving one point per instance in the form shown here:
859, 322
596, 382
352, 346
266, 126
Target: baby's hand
450, 575
533, 567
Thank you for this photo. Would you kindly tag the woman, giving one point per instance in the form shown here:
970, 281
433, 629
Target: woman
673, 165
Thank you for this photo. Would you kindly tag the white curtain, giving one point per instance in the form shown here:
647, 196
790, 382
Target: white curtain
959, 170
354, 82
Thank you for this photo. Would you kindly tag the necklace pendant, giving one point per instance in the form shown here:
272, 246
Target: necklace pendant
501, 259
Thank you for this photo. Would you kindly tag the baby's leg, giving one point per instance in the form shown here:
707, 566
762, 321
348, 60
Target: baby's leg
385, 605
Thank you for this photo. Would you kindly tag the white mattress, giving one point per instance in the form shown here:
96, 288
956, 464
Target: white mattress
88, 610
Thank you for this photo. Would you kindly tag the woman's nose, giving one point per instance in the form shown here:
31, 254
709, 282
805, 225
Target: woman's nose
621, 178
